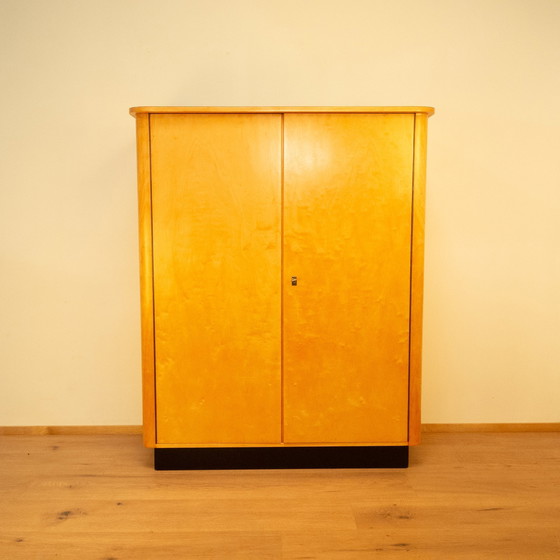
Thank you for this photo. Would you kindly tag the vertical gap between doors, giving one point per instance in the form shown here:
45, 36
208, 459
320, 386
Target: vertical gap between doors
282, 278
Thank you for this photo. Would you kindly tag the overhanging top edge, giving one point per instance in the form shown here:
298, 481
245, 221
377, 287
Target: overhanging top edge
279, 110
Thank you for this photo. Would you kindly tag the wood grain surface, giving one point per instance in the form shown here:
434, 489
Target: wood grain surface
417, 277
465, 496
146, 278
135, 111
347, 239
240, 204
216, 208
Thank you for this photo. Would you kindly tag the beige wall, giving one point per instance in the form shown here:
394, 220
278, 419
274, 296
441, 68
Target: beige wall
69, 336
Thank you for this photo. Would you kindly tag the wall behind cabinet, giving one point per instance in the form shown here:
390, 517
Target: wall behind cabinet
69, 319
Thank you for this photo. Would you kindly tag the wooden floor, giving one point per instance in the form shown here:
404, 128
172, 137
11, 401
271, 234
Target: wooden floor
96, 497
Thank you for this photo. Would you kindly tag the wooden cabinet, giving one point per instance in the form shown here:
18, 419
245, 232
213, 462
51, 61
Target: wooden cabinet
281, 276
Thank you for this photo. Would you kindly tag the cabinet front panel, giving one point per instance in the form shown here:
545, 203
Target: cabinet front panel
347, 249
216, 209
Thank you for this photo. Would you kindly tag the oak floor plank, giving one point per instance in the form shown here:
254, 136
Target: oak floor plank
465, 496
83, 515
141, 545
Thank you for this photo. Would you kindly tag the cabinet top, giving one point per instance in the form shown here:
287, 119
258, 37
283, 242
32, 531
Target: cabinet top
181, 110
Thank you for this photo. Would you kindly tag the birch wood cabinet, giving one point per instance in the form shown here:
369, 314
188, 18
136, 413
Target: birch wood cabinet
281, 280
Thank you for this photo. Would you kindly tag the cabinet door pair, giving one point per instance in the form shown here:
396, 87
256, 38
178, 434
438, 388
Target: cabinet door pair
281, 277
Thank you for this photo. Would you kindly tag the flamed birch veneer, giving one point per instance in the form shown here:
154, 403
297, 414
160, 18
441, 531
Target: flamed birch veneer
281, 255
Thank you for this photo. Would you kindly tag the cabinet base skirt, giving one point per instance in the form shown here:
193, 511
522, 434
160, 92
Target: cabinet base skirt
225, 458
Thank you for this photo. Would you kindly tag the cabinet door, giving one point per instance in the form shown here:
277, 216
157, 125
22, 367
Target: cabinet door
347, 225
216, 210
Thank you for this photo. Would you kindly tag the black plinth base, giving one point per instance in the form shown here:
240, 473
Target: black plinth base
212, 458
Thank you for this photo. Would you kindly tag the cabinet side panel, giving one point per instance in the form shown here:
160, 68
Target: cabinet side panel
347, 223
146, 292
417, 277
216, 184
